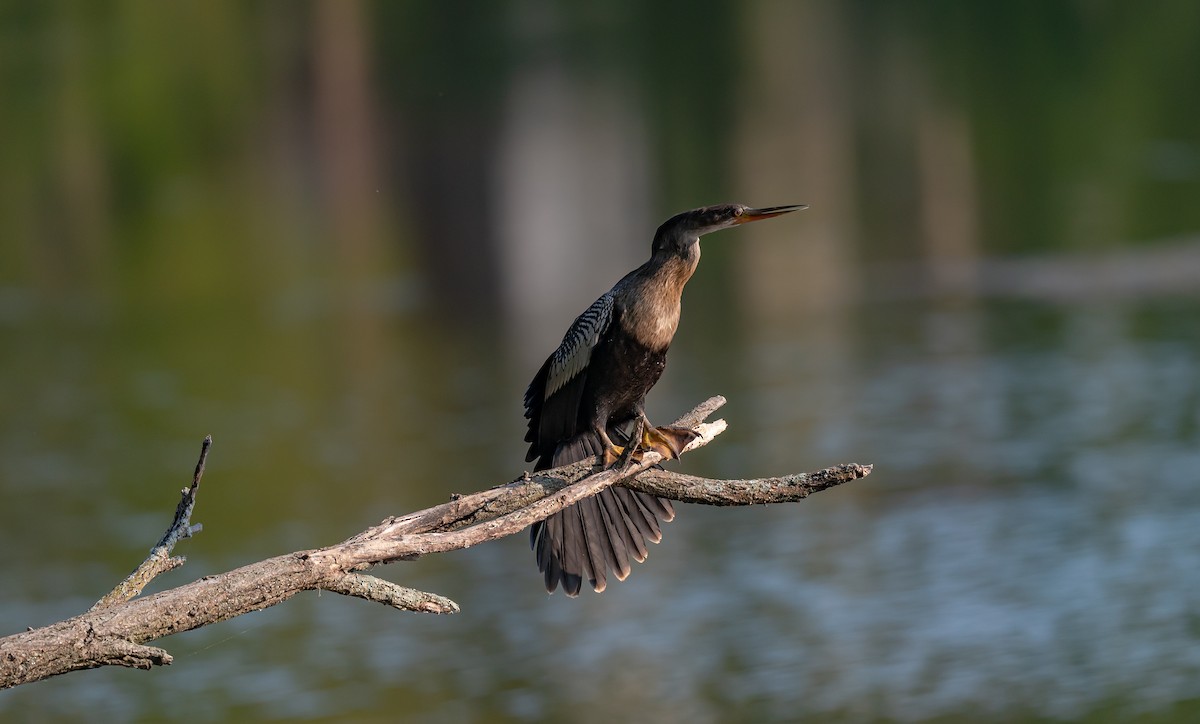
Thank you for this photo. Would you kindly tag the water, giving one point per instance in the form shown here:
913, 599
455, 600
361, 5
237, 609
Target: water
1025, 547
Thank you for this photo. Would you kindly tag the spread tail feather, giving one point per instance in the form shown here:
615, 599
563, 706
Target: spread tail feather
598, 534
595, 536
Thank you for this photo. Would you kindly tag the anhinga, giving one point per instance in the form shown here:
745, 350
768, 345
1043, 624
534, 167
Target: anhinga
595, 384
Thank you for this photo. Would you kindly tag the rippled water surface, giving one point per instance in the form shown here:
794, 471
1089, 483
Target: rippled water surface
1026, 546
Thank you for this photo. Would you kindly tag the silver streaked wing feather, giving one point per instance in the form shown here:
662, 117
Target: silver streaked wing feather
572, 356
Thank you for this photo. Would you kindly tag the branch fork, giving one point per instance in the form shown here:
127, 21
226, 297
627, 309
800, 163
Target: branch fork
114, 631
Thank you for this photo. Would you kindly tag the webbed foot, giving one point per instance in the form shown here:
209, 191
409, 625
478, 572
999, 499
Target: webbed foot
667, 441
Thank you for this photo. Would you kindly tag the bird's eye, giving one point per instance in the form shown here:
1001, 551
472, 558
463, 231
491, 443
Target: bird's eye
738, 211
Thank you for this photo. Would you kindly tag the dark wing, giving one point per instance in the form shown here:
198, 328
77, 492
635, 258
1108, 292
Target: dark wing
553, 397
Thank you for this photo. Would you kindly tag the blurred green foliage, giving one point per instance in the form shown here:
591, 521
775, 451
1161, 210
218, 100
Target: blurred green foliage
143, 140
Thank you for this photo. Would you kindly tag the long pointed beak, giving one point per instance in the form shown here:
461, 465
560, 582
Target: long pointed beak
768, 213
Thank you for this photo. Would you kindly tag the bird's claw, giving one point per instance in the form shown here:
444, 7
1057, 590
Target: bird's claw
668, 441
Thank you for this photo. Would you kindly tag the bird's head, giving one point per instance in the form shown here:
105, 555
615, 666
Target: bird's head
678, 233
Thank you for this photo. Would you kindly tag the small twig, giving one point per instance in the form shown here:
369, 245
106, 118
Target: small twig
160, 561
701, 412
390, 594
135, 656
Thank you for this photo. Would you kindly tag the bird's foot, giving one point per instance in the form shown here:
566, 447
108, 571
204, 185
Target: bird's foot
612, 454
621, 458
667, 441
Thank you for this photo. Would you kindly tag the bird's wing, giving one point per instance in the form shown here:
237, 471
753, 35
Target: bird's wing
553, 397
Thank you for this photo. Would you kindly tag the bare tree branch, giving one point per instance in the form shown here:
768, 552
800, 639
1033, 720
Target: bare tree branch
783, 489
160, 561
113, 632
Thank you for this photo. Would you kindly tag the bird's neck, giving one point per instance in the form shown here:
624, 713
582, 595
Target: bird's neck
653, 312
672, 271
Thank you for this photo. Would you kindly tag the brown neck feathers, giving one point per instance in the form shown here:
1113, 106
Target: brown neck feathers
652, 306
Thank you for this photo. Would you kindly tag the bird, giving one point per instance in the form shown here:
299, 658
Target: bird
593, 388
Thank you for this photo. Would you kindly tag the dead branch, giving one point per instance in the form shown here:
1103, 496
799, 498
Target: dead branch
115, 630
160, 561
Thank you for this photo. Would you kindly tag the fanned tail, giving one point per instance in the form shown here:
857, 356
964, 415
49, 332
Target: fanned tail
597, 535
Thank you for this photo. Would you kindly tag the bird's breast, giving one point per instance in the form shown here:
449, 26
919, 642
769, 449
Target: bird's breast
653, 322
